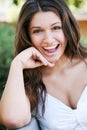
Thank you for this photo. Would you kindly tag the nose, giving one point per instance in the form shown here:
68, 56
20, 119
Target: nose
48, 37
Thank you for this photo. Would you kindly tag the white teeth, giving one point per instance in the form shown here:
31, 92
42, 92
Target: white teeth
50, 47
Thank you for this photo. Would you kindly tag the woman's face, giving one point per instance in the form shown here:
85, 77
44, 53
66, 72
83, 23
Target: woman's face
47, 35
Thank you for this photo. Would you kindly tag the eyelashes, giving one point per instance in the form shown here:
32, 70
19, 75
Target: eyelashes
55, 28
37, 31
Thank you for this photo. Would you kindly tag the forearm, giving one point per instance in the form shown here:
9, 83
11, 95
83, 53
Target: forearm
15, 107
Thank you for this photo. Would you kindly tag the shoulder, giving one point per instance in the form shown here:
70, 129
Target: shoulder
79, 63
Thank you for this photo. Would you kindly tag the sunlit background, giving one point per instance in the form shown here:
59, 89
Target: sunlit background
9, 9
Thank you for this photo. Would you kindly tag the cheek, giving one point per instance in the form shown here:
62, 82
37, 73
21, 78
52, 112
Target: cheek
35, 41
63, 39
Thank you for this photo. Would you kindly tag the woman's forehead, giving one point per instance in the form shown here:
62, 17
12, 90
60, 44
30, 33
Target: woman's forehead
43, 17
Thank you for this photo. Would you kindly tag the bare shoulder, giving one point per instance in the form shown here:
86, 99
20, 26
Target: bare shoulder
79, 64
80, 68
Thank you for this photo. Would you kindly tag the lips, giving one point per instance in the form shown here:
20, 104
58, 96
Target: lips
51, 49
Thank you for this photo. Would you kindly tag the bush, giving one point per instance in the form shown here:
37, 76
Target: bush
7, 33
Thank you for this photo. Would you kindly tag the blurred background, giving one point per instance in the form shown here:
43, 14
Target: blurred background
9, 11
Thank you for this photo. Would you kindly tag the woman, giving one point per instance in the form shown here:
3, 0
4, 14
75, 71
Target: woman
48, 76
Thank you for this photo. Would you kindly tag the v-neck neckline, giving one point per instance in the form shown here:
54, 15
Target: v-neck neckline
58, 100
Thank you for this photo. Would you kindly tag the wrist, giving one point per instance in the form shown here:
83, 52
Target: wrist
16, 64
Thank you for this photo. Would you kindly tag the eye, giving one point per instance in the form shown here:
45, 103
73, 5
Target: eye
37, 31
57, 27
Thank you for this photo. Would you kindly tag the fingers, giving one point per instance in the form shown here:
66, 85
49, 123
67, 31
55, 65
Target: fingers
40, 59
31, 58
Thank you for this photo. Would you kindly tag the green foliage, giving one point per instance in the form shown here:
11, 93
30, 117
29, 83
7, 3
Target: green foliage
76, 3
6, 52
15, 2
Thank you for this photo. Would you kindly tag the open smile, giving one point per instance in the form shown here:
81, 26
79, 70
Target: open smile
51, 49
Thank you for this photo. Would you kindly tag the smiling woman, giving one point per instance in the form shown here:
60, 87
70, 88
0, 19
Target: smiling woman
48, 62
48, 37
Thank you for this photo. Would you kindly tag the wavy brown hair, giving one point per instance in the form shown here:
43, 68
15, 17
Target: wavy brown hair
34, 85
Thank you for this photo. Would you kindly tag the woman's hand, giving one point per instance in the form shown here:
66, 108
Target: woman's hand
14, 101
31, 58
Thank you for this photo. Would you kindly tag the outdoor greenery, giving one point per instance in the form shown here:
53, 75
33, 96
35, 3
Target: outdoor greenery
76, 3
6, 52
7, 33
17, 2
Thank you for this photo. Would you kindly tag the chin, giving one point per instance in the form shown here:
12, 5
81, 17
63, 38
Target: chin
53, 60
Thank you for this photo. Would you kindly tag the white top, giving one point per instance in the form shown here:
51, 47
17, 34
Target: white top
59, 116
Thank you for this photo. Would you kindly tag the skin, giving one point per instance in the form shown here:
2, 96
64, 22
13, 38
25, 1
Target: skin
48, 36
63, 78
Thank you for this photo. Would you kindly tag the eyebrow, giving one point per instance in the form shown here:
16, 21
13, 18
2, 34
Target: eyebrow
56, 23
35, 27
51, 25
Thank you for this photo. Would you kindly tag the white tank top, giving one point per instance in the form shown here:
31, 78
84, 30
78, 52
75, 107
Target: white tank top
59, 116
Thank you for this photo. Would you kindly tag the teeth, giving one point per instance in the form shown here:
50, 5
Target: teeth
50, 47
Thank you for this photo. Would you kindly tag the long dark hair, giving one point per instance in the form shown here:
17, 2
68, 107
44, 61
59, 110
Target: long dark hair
34, 86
